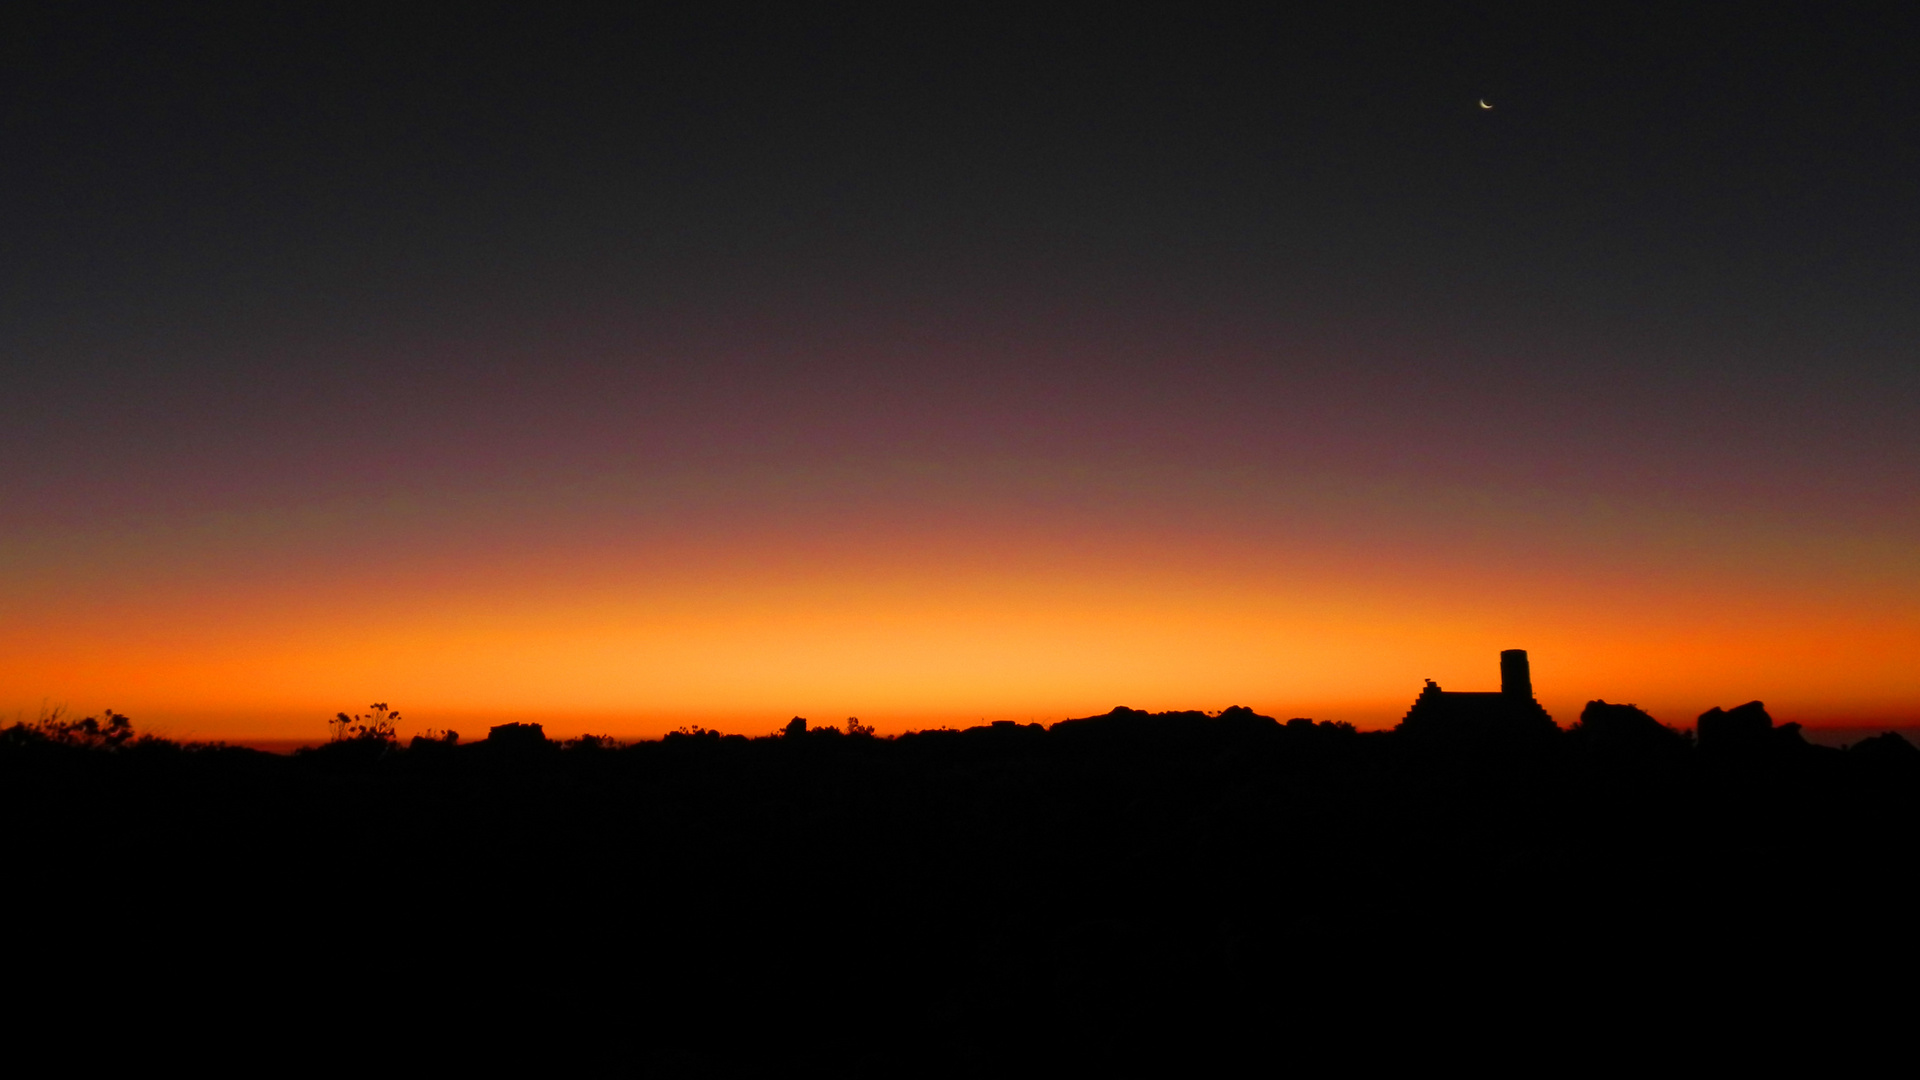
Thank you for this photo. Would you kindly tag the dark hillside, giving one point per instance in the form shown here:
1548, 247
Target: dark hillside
1107, 887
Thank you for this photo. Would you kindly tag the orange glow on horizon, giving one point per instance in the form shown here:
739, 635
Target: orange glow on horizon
1332, 601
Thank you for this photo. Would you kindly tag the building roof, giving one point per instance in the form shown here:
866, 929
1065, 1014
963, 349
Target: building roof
1474, 714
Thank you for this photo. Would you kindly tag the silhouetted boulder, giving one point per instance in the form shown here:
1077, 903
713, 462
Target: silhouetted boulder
1747, 731
1887, 744
1117, 722
1886, 754
1138, 729
1119, 715
1625, 730
1742, 729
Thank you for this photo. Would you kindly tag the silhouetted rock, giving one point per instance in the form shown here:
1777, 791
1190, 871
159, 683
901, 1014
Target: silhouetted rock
1742, 727
1625, 730
1888, 745
1747, 732
1887, 757
1117, 722
1134, 728
796, 726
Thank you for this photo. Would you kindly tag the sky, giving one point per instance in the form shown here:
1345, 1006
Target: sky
623, 372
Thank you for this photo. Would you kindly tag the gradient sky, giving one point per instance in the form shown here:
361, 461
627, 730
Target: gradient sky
623, 373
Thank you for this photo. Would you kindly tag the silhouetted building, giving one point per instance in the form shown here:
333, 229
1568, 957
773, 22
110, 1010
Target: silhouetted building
1477, 713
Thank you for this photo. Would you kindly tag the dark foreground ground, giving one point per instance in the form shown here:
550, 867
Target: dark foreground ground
1095, 895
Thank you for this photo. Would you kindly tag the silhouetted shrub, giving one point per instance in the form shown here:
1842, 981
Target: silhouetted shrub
376, 726
593, 742
518, 736
91, 733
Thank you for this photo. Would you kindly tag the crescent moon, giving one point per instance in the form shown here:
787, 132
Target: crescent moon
1484, 105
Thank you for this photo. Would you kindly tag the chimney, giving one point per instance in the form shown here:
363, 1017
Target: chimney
1515, 678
